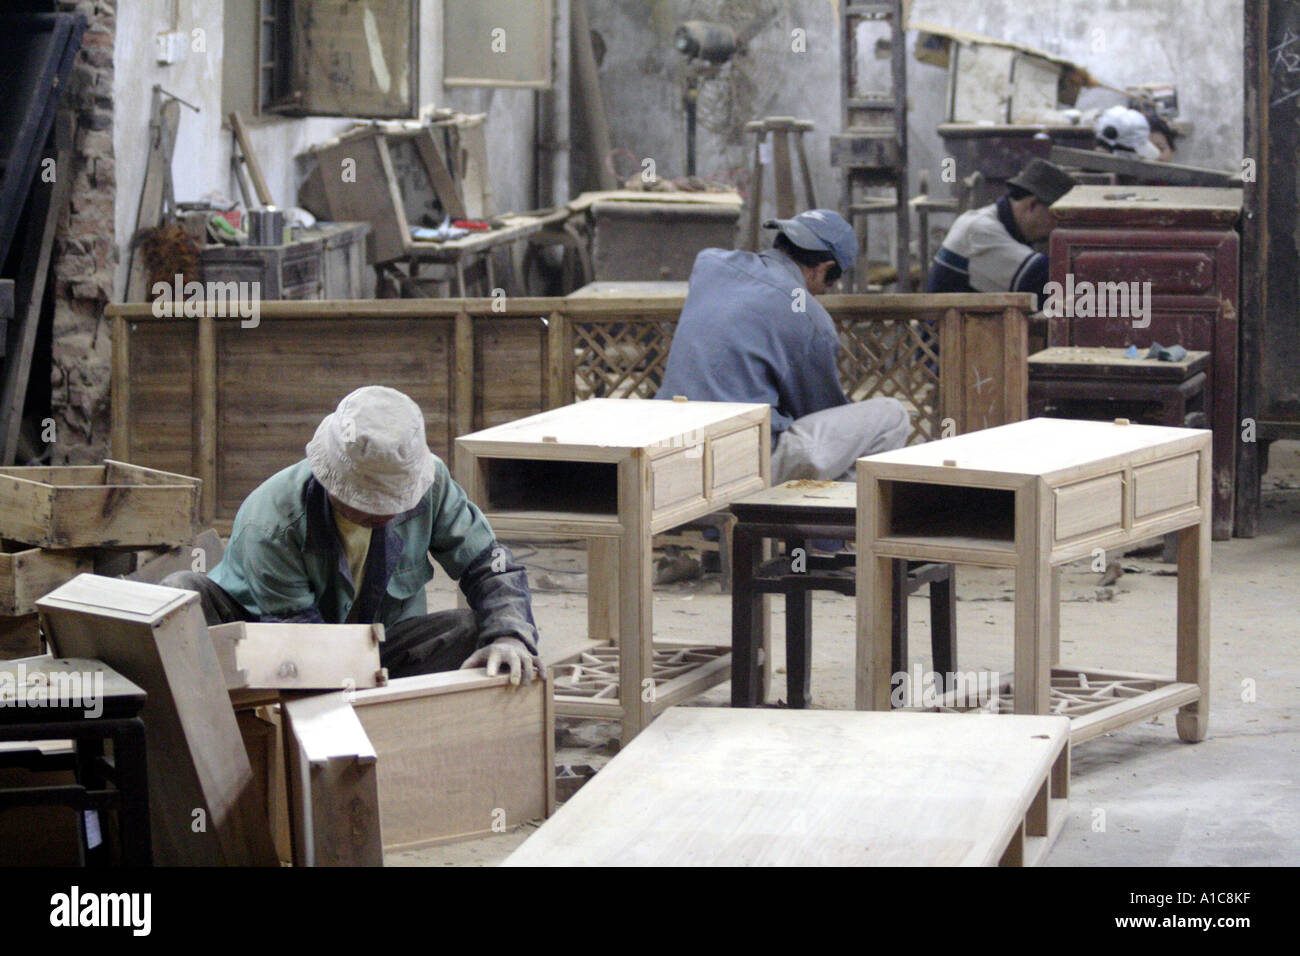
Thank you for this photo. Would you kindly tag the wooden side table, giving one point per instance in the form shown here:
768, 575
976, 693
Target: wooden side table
1033, 496
711, 786
616, 472
1065, 379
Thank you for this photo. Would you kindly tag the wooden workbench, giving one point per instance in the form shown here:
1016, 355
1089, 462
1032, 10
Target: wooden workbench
715, 787
616, 472
1032, 496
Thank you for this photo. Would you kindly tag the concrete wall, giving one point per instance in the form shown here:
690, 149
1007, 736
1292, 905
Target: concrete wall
1196, 44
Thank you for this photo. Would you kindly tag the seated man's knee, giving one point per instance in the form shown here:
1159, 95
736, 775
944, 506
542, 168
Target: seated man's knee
184, 580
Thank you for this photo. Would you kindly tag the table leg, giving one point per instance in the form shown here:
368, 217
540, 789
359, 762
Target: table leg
798, 640
898, 619
745, 614
636, 690
602, 589
875, 632
943, 626
1033, 651
133, 787
1194, 625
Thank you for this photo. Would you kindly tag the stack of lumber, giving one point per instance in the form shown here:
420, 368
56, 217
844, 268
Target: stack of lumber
289, 743
58, 522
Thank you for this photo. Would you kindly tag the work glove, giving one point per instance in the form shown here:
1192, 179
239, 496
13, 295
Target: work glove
511, 652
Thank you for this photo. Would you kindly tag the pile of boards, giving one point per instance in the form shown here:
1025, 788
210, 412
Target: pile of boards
272, 743
58, 522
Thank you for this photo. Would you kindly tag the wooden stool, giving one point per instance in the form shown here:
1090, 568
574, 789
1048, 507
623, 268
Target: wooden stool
35, 705
1101, 384
798, 512
781, 128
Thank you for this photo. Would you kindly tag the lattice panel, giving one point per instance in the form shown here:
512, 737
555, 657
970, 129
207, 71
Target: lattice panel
896, 358
619, 359
595, 673
1072, 694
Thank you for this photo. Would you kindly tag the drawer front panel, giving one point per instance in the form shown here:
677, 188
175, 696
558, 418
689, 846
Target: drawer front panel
1170, 271
1088, 506
678, 477
1164, 486
735, 457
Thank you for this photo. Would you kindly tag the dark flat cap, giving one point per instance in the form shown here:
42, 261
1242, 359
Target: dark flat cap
1045, 180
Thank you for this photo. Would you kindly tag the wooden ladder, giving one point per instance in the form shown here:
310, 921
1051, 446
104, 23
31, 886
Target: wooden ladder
872, 150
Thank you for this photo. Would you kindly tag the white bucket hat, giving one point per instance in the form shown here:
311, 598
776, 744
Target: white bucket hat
370, 453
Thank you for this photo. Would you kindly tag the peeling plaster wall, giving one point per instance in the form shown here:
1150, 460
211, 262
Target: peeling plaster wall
1196, 44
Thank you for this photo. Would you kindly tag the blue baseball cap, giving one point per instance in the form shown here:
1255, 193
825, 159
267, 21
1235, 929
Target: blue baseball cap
820, 230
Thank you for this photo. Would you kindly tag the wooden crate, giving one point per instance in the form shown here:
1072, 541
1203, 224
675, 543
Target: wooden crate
461, 755
202, 800
29, 573
20, 637
299, 656
86, 506
705, 786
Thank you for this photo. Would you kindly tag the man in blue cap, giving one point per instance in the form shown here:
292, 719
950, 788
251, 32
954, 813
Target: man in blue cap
751, 331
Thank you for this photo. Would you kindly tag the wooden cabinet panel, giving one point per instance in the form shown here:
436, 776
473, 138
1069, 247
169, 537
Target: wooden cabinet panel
1164, 486
678, 477
736, 457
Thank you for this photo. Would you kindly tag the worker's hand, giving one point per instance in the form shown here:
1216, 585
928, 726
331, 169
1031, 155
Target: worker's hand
511, 652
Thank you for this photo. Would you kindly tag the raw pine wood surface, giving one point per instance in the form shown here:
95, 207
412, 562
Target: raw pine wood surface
202, 798
755, 787
615, 424
461, 754
299, 656
110, 505
333, 784
1044, 447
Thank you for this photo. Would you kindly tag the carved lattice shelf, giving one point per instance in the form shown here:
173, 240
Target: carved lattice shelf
594, 673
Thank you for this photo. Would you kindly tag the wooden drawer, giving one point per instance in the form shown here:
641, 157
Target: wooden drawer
28, 574
678, 478
735, 457
1164, 486
1088, 507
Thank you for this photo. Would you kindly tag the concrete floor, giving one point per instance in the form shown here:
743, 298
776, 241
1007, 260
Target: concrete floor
1139, 796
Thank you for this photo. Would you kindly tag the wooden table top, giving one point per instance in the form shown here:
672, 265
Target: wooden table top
1149, 206
704, 786
1080, 362
62, 688
1035, 447
615, 423
818, 501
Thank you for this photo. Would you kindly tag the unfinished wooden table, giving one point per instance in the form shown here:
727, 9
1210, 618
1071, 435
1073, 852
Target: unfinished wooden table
1033, 496
716, 787
616, 472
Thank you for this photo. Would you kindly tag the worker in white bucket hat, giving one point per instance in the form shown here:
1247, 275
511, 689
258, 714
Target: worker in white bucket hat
345, 536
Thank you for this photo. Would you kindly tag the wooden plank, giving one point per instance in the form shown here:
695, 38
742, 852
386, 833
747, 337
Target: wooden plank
1132, 710
200, 555
205, 443
446, 187
1167, 174
461, 755
748, 786
202, 800
1135, 206
333, 784
250, 160
299, 656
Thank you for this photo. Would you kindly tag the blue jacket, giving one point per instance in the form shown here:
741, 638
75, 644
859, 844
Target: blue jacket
742, 338
286, 562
